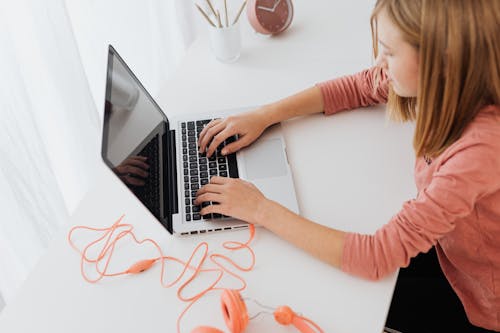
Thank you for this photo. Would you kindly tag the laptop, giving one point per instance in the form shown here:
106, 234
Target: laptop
157, 157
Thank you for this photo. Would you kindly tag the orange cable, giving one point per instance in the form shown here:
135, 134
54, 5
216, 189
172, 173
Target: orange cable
119, 231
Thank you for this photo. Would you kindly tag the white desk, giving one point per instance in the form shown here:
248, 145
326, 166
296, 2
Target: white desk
352, 171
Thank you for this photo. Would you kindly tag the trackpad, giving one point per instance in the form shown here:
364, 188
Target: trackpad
265, 159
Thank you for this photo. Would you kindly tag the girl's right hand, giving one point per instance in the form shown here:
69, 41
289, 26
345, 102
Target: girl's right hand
248, 126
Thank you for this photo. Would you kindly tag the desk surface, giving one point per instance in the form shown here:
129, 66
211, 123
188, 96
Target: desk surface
352, 171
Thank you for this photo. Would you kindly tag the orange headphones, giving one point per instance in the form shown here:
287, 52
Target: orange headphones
232, 305
236, 316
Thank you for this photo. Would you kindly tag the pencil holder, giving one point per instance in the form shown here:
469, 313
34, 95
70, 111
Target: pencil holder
225, 43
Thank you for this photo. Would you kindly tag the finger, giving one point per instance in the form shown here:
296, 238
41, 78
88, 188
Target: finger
217, 209
129, 169
139, 157
134, 181
209, 125
138, 163
233, 147
217, 180
209, 188
217, 140
210, 135
207, 197
203, 138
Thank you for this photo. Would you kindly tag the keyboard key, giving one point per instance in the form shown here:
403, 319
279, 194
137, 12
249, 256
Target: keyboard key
196, 217
188, 217
223, 173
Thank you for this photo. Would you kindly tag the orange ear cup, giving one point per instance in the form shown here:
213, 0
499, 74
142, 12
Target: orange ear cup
206, 329
285, 316
234, 311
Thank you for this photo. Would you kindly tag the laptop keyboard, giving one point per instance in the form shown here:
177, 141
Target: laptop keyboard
198, 169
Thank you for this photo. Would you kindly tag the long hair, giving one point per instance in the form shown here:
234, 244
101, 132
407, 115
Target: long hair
458, 43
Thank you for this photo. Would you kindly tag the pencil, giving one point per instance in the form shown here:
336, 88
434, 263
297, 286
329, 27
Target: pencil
205, 15
239, 12
211, 7
218, 19
225, 10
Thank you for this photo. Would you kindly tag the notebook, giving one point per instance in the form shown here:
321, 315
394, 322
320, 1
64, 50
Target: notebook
157, 157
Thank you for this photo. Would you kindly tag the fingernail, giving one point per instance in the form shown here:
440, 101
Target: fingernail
224, 151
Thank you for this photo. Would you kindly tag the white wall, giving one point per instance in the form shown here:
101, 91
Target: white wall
53, 68
149, 34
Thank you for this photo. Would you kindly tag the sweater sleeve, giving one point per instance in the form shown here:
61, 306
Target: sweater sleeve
467, 174
369, 87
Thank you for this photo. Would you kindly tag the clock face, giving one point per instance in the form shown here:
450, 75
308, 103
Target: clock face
273, 16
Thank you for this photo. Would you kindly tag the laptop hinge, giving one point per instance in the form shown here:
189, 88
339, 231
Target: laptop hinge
170, 181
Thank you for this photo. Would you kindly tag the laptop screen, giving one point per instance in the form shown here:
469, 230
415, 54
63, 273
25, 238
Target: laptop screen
134, 139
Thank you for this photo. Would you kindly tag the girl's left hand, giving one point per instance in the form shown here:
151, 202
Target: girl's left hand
235, 197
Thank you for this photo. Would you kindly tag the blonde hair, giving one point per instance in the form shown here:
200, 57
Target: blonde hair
458, 43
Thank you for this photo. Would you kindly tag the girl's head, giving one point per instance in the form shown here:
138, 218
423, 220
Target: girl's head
443, 62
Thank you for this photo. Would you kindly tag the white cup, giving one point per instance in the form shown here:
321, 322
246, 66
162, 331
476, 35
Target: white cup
226, 43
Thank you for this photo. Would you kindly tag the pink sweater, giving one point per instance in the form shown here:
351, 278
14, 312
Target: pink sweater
457, 208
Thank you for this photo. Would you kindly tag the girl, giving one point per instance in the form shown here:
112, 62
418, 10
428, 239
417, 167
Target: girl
438, 64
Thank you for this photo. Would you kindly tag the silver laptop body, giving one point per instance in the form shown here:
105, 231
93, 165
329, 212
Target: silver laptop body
135, 126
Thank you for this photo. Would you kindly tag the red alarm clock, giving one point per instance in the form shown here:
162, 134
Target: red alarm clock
270, 17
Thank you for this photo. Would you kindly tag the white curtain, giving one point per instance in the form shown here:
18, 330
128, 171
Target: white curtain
52, 66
